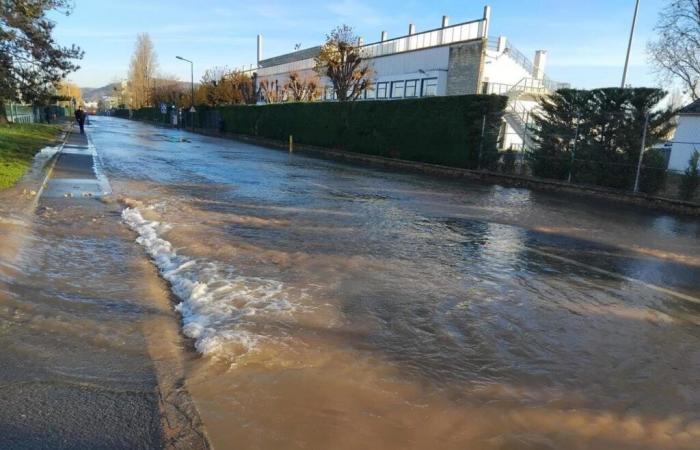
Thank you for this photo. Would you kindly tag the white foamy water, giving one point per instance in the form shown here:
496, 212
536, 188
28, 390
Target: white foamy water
216, 304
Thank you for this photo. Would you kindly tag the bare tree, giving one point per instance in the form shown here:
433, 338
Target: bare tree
300, 89
142, 71
213, 89
242, 87
171, 91
271, 92
676, 52
340, 59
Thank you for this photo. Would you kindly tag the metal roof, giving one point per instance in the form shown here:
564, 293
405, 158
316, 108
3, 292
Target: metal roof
291, 57
693, 108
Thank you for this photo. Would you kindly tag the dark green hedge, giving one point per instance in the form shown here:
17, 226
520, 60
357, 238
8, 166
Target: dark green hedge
440, 130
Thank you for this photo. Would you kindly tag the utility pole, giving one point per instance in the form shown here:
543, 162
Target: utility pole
192, 86
629, 45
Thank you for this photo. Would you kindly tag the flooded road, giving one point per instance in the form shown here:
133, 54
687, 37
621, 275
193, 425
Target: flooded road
334, 306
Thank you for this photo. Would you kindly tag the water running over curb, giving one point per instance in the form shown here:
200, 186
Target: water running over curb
216, 304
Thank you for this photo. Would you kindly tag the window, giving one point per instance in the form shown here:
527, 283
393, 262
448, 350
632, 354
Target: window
429, 87
370, 94
397, 89
329, 93
381, 90
411, 88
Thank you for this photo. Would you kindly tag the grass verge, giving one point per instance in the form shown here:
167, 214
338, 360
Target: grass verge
18, 145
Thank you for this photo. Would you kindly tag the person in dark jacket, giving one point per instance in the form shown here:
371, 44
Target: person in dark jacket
80, 118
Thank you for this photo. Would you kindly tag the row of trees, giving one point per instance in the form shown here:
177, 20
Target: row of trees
340, 60
595, 136
32, 64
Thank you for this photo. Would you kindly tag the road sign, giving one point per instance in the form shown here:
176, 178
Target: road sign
192, 110
163, 108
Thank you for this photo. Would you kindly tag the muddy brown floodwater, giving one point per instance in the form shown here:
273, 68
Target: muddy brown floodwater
335, 306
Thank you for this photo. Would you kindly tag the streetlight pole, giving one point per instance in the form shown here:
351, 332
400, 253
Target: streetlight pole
629, 45
192, 86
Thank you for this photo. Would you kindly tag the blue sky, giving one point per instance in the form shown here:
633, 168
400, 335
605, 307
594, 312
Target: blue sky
586, 39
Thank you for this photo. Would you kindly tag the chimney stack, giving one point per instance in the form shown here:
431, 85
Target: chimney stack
385, 36
411, 29
540, 63
259, 49
445, 21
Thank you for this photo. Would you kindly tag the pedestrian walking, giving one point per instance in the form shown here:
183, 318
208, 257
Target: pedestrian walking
80, 118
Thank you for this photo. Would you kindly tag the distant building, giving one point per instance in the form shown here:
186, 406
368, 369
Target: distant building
449, 60
687, 138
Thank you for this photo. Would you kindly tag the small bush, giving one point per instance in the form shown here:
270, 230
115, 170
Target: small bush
653, 176
691, 177
509, 161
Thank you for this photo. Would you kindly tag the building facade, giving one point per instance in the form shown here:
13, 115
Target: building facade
450, 60
687, 137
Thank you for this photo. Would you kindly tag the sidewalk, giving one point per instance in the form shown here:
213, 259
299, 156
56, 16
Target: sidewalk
90, 342
74, 174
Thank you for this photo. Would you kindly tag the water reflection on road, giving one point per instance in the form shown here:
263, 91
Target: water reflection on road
344, 307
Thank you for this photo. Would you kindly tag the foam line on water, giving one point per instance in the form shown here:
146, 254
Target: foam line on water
216, 305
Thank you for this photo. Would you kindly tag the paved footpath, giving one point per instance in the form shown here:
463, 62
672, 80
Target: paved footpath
91, 351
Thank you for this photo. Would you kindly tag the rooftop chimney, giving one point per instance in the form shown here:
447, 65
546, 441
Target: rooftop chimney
540, 63
259, 48
411, 29
385, 36
445, 21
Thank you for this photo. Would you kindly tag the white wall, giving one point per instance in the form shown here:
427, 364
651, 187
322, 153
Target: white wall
412, 62
402, 66
688, 131
501, 68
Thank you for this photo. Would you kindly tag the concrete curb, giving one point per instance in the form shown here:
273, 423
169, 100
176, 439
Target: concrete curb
646, 201
54, 159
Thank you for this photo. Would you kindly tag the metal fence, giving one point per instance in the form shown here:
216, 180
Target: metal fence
16, 113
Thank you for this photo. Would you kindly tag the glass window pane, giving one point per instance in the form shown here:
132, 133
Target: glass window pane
397, 89
429, 87
381, 90
411, 86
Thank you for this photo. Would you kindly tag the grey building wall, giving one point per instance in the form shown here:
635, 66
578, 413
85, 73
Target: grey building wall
464, 68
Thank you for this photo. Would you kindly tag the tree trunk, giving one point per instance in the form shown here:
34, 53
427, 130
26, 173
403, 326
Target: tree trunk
3, 114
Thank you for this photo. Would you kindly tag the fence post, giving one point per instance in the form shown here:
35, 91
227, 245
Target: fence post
481, 141
641, 153
573, 151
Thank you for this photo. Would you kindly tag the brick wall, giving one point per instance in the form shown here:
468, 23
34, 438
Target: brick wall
464, 68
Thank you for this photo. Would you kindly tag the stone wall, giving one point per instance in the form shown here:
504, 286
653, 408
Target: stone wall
465, 67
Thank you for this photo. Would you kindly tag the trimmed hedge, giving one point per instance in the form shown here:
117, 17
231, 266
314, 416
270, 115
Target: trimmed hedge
439, 130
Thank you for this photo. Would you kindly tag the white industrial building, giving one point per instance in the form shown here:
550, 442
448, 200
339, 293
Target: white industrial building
687, 137
449, 60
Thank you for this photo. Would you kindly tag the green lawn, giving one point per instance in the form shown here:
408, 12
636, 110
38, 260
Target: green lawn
18, 145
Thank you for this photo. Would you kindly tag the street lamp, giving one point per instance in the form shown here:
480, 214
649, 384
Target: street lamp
629, 45
191, 85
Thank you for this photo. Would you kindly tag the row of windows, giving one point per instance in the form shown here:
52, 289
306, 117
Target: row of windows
425, 87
